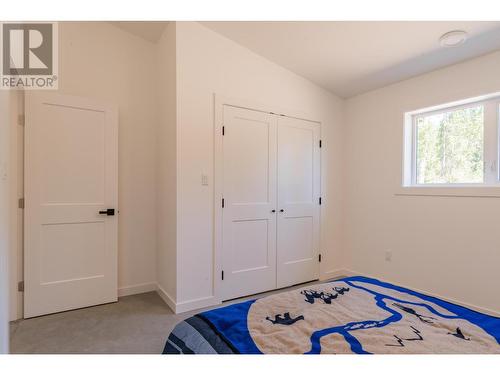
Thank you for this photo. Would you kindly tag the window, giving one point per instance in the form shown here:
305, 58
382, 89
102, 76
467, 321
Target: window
453, 145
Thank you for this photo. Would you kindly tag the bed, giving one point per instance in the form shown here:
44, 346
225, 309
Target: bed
351, 315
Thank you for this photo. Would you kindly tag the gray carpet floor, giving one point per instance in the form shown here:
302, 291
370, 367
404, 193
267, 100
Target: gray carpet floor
136, 324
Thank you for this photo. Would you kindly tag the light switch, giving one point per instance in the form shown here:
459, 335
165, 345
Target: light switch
204, 180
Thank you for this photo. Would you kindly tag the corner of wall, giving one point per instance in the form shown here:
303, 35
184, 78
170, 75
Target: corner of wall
167, 166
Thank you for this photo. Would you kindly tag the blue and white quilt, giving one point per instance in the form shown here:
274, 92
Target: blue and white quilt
351, 315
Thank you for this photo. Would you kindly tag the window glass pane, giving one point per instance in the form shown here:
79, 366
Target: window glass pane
450, 147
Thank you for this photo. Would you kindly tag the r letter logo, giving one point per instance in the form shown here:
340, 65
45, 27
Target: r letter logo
29, 56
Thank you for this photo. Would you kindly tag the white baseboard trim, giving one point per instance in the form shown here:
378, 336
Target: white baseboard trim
166, 298
136, 289
483, 310
335, 274
195, 304
185, 306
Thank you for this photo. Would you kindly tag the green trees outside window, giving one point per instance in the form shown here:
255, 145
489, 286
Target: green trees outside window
450, 147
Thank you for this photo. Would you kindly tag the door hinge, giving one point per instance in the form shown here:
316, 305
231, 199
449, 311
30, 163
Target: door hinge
222, 202
20, 203
320, 143
21, 120
320, 201
222, 275
223, 130
20, 286
319, 258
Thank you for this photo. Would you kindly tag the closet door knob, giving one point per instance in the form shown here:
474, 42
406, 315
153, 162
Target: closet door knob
282, 210
273, 211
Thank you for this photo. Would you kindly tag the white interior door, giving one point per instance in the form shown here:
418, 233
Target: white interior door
71, 175
298, 227
249, 191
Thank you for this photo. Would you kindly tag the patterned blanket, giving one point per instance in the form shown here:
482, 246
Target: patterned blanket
350, 315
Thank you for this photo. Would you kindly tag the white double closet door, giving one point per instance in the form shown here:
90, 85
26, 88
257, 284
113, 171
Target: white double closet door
271, 191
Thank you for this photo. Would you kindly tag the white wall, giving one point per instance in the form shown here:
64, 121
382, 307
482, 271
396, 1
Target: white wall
166, 166
4, 218
103, 62
447, 246
208, 63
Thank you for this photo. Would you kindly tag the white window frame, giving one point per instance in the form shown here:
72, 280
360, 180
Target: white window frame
491, 105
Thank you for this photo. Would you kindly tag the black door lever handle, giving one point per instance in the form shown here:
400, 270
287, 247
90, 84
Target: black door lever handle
109, 212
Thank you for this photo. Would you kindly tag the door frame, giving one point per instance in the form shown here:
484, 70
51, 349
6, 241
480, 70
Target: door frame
219, 102
6, 177
16, 252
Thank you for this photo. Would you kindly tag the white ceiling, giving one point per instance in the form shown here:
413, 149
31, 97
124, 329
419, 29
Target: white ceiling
350, 58
148, 30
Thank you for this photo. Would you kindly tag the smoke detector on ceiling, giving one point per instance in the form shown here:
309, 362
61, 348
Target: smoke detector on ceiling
453, 38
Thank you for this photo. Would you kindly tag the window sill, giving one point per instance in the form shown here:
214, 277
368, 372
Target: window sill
449, 191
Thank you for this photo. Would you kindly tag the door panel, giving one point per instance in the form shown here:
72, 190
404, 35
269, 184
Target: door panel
250, 245
71, 173
83, 259
298, 197
72, 138
249, 190
296, 163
